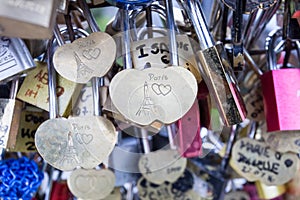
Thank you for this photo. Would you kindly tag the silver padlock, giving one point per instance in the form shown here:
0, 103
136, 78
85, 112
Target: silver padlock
32, 19
14, 57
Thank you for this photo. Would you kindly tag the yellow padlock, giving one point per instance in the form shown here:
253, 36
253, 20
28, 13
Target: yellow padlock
34, 90
30, 119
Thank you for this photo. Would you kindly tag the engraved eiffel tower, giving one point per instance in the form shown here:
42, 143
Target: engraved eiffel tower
82, 69
148, 107
70, 154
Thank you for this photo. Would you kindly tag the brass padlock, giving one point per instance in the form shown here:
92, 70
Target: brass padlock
34, 90
10, 111
14, 57
32, 19
30, 119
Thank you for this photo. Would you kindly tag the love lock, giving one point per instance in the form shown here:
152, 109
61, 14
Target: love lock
70, 143
85, 57
153, 94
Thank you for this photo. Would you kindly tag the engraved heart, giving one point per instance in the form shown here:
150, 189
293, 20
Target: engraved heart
255, 160
91, 53
161, 89
85, 57
84, 138
69, 143
288, 163
163, 165
85, 183
153, 94
91, 184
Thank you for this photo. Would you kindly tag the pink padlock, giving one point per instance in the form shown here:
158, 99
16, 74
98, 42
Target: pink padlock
281, 91
188, 137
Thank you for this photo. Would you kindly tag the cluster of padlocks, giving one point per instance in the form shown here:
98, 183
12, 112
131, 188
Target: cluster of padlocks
169, 100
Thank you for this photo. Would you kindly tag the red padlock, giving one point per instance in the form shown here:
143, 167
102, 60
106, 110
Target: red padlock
281, 91
188, 137
60, 191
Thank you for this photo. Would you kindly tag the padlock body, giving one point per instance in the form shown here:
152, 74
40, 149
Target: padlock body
14, 57
188, 138
28, 19
281, 93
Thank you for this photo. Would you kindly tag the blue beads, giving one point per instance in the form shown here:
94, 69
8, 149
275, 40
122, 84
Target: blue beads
19, 178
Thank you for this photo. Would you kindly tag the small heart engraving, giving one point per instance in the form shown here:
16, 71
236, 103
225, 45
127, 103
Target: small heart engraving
161, 89
84, 138
288, 163
165, 89
91, 184
91, 53
85, 183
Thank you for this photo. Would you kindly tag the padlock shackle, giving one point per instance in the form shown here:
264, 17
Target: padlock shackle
58, 38
252, 129
88, 16
14, 87
126, 39
53, 102
197, 16
145, 141
140, 35
96, 81
270, 51
233, 135
260, 24
173, 51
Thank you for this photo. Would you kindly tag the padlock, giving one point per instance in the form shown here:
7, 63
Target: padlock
75, 136
30, 119
188, 137
91, 183
10, 116
157, 50
293, 187
144, 92
60, 191
275, 192
280, 91
216, 70
103, 181
250, 188
34, 89
27, 19
162, 165
14, 57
